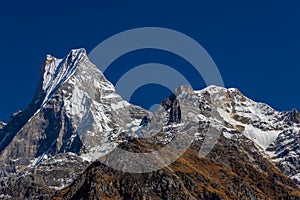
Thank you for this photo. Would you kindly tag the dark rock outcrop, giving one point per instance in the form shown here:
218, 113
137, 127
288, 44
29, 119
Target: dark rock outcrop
171, 104
294, 116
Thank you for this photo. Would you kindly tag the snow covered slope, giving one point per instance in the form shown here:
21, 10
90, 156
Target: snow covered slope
257, 121
77, 111
285, 152
275, 133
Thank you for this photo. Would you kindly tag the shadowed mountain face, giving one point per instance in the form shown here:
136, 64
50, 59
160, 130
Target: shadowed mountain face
66, 144
230, 171
294, 116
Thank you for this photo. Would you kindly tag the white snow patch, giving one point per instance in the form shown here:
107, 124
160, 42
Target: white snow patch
227, 135
97, 152
262, 138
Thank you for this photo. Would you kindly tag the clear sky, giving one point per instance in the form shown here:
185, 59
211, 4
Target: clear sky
255, 44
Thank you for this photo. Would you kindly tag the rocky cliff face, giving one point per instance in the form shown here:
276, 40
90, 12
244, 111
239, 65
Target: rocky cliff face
294, 117
224, 145
172, 106
285, 152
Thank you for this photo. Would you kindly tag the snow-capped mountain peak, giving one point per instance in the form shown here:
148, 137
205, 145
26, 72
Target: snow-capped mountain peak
293, 116
57, 71
75, 109
257, 121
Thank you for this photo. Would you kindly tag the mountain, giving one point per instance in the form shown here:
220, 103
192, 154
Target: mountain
238, 167
230, 171
74, 110
215, 143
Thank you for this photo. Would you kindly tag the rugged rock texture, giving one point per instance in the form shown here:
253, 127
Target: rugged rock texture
41, 182
286, 153
294, 116
171, 105
230, 171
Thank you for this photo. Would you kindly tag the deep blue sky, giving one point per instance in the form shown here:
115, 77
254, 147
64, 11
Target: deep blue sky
255, 44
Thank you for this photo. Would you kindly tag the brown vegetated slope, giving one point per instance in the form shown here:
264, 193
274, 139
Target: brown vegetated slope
230, 171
